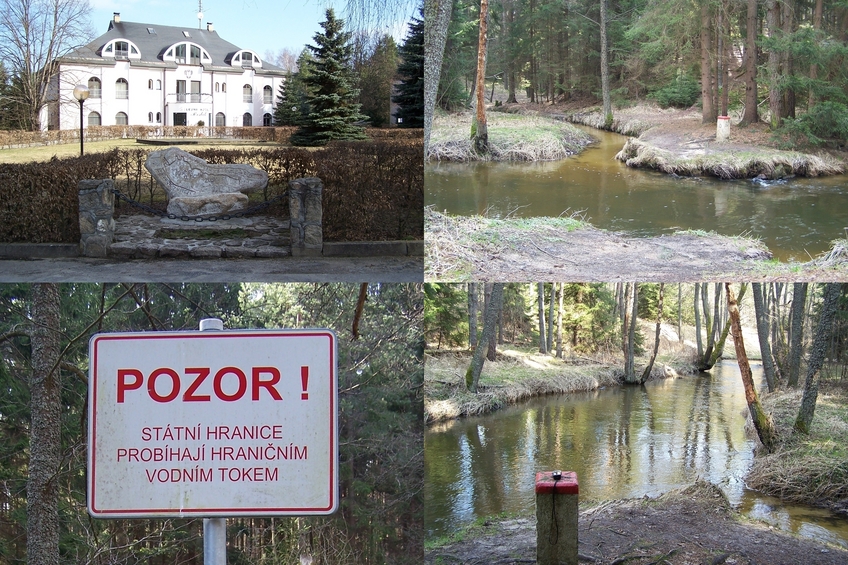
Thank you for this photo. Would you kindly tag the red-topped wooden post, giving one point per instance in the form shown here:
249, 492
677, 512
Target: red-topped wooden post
556, 518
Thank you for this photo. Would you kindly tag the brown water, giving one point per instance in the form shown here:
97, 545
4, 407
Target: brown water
794, 218
622, 442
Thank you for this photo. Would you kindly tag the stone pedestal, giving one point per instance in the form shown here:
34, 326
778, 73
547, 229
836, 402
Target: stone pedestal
556, 519
305, 208
722, 129
96, 211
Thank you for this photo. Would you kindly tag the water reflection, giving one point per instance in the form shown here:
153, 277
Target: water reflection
622, 443
793, 218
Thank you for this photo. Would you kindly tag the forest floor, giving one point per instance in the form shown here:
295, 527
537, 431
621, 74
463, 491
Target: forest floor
462, 248
519, 374
694, 525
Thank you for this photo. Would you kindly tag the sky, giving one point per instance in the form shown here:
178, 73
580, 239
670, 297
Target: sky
258, 25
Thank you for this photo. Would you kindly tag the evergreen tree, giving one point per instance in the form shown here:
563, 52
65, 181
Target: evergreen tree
410, 91
293, 99
334, 110
376, 75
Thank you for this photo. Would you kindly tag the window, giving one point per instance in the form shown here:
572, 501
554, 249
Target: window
158, 85
94, 119
122, 50
121, 119
150, 84
150, 117
133, 50
108, 49
217, 87
247, 59
266, 120
181, 91
195, 91
181, 53
220, 120
247, 119
187, 34
122, 89
267, 95
224, 87
94, 88
151, 31
195, 55
158, 117
247, 93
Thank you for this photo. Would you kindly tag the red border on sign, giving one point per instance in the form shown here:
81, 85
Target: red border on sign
234, 512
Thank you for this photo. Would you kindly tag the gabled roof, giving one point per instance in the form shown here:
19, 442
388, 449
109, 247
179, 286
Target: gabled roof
153, 45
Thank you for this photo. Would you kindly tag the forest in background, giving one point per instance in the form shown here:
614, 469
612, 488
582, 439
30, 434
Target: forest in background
381, 451
780, 61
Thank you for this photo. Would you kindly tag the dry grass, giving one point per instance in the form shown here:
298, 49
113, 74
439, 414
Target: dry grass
511, 138
769, 163
623, 122
813, 468
836, 258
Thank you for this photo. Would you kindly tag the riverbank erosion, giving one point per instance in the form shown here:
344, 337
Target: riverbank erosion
676, 142
461, 248
807, 468
511, 138
518, 375
691, 525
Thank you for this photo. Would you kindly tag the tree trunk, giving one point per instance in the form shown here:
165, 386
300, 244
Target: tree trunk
497, 304
551, 318
509, 30
817, 354
698, 339
762, 421
472, 375
559, 320
719, 347
763, 335
437, 17
605, 87
679, 312
796, 331
814, 69
472, 315
647, 372
726, 54
481, 136
708, 113
775, 93
542, 341
629, 330
45, 442
788, 9
751, 115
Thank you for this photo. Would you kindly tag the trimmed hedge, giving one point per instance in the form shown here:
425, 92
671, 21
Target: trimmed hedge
372, 190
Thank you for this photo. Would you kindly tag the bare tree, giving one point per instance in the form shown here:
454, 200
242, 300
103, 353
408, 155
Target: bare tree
481, 133
628, 331
472, 315
762, 421
559, 320
45, 442
437, 16
605, 78
284, 58
33, 34
796, 331
763, 335
543, 343
647, 372
751, 115
817, 354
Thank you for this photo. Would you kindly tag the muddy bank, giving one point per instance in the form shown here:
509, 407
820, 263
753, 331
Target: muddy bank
692, 525
460, 248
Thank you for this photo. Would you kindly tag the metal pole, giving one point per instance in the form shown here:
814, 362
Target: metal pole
81, 132
214, 529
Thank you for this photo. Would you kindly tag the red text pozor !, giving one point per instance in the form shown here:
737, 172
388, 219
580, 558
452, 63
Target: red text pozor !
165, 384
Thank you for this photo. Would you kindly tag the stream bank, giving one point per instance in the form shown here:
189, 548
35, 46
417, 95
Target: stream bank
695, 524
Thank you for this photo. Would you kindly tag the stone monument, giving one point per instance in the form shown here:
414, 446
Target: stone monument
196, 188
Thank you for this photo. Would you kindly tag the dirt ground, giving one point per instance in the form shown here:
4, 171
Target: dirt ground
460, 248
693, 526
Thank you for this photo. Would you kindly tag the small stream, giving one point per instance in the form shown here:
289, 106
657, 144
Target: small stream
622, 442
794, 218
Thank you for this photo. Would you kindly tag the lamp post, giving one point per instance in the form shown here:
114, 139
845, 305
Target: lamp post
81, 93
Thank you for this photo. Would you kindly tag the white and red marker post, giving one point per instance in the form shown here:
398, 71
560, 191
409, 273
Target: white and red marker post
213, 424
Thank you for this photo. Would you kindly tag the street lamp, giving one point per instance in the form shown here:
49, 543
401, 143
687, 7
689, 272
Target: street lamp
81, 92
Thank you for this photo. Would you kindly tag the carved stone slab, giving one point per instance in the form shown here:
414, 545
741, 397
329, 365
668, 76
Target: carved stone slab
186, 177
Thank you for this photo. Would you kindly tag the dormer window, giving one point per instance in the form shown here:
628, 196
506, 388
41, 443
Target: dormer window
121, 50
187, 54
246, 60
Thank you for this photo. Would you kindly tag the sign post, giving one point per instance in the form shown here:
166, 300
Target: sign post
213, 424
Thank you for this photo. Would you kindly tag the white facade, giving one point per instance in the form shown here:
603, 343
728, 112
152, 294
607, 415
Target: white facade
148, 75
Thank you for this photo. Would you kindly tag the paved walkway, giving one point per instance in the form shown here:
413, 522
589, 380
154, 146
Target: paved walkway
288, 269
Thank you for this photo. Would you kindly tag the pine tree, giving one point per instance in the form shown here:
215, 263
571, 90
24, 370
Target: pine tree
293, 99
334, 110
410, 92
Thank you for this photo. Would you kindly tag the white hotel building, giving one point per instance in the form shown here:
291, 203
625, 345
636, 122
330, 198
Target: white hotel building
152, 75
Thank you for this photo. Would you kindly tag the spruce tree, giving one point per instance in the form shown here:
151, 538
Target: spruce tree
334, 110
293, 99
410, 92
